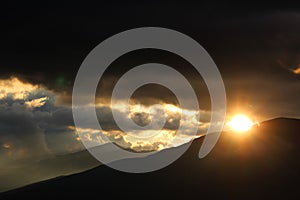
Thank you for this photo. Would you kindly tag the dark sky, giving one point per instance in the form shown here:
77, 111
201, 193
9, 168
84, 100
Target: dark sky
43, 42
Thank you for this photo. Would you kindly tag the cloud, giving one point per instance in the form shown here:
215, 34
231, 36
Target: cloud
36, 102
15, 88
6, 146
153, 139
32, 126
18, 129
130, 142
296, 70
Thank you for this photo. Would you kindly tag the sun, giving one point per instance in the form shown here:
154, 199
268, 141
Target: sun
240, 123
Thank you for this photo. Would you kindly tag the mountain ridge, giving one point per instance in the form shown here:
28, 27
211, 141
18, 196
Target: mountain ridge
258, 164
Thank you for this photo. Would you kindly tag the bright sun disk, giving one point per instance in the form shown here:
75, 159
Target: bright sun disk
240, 123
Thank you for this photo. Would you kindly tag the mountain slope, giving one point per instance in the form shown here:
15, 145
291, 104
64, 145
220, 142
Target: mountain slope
20, 174
262, 163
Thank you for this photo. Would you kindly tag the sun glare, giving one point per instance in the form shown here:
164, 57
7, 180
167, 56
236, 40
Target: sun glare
240, 123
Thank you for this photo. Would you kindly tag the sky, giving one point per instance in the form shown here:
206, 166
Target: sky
256, 48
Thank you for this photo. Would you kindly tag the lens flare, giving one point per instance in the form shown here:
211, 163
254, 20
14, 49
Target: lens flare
240, 123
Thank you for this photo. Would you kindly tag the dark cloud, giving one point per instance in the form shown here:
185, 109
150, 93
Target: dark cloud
21, 133
35, 132
141, 118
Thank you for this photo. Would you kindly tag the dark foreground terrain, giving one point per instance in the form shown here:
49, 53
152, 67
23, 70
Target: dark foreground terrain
263, 163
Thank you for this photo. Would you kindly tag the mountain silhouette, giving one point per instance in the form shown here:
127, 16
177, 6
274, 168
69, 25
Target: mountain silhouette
21, 174
259, 164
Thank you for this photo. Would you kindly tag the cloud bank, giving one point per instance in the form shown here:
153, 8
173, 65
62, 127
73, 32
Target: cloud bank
34, 125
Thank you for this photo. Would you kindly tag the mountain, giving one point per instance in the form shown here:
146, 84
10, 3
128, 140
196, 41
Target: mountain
262, 163
19, 174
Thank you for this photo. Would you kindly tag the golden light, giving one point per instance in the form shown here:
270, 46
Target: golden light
6, 146
240, 123
297, 70
172, 108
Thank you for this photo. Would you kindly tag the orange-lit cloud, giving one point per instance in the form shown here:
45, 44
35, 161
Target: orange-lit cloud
297, 70
36, 102
88, 135
6, 146
15, 88
151, 139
